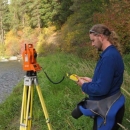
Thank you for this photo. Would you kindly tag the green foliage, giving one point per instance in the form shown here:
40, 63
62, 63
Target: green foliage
38, 13
35, 14
10, 108
6, 17
127, 62
61, 12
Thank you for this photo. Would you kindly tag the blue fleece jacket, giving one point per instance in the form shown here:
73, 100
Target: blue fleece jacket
108, 75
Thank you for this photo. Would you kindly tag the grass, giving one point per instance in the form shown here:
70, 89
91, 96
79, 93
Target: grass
60, 99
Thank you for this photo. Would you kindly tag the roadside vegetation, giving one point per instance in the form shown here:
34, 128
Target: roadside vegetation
61, 98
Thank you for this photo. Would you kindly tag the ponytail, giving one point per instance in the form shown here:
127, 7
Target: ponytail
114, 39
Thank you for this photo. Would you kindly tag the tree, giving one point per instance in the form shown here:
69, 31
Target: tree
3, 22
14, 14
6, 17
35, 13
1, 25
61, 12
55, 12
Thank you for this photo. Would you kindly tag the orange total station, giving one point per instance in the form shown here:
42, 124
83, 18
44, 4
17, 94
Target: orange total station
29, 59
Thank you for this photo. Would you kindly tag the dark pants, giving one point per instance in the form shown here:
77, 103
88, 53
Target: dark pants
119, 118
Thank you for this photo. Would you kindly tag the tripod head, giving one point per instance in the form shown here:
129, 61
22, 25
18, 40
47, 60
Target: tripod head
29, 59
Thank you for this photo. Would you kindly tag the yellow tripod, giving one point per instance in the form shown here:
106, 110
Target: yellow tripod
27, 102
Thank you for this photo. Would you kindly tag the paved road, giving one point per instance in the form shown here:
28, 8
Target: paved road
10, 74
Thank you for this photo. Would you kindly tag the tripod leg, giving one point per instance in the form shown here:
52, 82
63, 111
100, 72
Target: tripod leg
23, 108
26, 110
25, 102
44, 107
30, 108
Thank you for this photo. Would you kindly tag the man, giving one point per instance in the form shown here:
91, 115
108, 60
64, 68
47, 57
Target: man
108, 74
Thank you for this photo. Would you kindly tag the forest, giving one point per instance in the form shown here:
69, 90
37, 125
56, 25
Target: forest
60, 25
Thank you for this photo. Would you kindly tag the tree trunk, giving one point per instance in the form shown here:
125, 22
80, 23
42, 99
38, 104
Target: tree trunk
1, 29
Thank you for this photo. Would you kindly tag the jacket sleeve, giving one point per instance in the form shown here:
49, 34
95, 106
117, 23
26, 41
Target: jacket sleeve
104, 77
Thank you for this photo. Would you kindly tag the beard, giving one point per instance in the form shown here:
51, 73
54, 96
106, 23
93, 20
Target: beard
99, 46
99, 49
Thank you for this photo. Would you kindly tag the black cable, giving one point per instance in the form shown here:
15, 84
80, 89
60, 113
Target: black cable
53, 81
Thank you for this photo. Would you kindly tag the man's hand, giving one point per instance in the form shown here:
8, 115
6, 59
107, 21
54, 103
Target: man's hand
82, 80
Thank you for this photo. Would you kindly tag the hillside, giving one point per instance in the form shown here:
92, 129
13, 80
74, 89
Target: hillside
70, 35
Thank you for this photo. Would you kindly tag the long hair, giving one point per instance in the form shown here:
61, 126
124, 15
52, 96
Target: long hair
112, 37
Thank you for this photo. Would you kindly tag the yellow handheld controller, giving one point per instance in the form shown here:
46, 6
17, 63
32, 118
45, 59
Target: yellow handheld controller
73, 77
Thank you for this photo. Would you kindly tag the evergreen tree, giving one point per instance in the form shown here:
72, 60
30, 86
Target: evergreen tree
46, 12
61, 11
3, 19
55, 11
14, 14
6, 17
35, 14
24, 13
